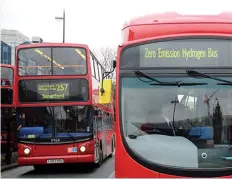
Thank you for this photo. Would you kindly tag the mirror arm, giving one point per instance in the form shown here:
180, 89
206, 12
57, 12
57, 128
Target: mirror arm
103, 77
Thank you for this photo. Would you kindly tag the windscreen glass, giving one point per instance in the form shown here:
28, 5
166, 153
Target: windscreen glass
6, 76
66, 123
185, 127
52, 61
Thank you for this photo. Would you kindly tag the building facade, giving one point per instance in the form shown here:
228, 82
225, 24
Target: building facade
6, 55
13, 38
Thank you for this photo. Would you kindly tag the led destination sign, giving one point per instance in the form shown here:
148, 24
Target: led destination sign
53, 91
182, 53
179, 53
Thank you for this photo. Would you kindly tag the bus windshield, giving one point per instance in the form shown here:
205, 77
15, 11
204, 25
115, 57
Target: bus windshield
6, 76
181, 126
41, 124
52, 61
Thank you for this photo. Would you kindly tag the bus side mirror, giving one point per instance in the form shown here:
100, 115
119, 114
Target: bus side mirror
114, 64
105, 94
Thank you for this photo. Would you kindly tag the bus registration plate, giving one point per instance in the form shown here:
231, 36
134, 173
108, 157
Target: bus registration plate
55, 161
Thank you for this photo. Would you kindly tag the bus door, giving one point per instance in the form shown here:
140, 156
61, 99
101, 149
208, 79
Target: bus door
104, 133
95, 134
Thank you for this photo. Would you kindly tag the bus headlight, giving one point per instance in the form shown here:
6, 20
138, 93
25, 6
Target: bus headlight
27, 151
82, 149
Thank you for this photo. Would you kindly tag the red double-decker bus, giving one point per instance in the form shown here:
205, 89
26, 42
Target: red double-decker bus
59, 118
8, 119
174, 97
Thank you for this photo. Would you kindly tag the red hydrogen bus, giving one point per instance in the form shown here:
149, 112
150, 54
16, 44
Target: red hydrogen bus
59, 119
174, 97
8, 119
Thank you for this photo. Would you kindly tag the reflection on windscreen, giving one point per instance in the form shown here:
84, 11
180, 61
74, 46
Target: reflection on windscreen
52, 61
44, 122
6, 76
179, 125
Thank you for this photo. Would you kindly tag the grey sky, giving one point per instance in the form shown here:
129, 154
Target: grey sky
97, 23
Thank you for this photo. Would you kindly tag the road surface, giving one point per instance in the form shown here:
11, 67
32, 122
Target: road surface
74, 171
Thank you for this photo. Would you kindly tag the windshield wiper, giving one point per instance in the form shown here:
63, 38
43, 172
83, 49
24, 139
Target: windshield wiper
178, 84
141, 74
197, 74
64, 132
71, 136
39, 136
225, 84
160, 83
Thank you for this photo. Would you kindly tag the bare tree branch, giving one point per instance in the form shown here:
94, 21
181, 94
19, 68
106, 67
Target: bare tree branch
108, 55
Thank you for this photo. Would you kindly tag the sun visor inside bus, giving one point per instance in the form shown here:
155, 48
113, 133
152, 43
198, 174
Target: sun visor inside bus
31, 130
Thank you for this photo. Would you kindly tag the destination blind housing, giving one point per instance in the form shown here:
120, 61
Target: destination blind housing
179, 53
53, 90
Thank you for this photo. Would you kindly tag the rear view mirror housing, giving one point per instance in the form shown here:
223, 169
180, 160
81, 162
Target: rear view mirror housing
114, 64
105, 91
105, 97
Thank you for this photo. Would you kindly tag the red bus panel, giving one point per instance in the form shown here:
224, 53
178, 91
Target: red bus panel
173, 105
58, 119
8, 119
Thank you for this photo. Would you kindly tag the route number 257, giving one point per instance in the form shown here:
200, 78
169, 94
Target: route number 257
61, 87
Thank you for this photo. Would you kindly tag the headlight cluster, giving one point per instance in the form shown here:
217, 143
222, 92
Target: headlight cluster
82, 148
27, 151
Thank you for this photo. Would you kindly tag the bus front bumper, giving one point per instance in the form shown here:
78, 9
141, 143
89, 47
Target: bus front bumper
87, 158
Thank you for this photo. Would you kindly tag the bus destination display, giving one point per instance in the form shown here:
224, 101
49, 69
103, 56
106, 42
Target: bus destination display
185, 53
54, 91
180, 53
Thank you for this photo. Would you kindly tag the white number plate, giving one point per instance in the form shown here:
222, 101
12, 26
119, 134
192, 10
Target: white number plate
55, 161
